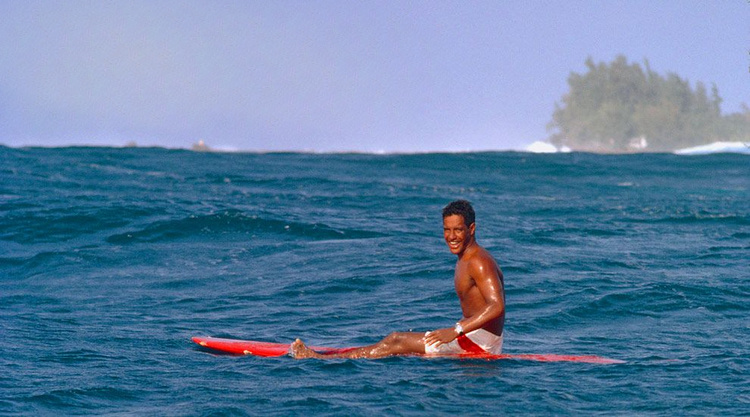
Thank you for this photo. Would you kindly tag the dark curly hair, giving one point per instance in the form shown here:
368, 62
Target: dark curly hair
462, 208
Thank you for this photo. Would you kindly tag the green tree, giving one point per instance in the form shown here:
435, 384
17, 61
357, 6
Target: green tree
736, 126
615, 107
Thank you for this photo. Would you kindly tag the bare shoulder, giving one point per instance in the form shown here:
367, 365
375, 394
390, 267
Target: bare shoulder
482, 262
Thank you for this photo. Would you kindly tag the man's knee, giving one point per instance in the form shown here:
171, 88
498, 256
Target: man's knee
394, 339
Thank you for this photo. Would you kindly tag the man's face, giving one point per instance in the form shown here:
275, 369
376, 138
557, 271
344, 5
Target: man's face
457, 235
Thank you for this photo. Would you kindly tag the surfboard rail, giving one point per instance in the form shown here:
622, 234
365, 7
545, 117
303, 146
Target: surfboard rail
268, 349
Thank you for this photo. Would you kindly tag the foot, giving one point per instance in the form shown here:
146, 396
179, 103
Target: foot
298, 350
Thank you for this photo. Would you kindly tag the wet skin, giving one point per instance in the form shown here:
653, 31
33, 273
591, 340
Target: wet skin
479, 286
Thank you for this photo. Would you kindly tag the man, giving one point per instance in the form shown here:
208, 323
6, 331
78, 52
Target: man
480, 289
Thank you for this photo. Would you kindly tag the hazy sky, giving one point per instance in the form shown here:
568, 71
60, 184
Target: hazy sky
337, 75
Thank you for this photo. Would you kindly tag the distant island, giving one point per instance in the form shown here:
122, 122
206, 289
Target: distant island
621, 107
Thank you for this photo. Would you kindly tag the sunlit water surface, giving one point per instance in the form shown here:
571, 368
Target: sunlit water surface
111, 259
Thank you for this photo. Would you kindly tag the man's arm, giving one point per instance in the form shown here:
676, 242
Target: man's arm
485, 272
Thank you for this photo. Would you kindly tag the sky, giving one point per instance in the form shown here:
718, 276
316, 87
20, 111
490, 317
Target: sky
333, 76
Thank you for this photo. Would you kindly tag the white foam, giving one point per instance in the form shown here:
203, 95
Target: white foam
541, 147
546, 147
716, 147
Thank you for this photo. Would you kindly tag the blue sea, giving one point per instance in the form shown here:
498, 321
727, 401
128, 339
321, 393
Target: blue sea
111, 259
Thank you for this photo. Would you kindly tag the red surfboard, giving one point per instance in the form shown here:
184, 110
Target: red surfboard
266, 349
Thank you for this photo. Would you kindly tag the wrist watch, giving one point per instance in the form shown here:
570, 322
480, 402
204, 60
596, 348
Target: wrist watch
459, 329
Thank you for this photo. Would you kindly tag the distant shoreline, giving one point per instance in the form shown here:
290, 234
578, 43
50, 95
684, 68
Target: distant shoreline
712, 148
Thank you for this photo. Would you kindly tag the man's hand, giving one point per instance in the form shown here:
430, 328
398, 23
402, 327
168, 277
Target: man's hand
440, 336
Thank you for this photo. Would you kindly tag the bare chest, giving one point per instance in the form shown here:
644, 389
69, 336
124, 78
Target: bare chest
463, 281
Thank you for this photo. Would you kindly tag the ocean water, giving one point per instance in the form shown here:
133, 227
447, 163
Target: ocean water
112, 259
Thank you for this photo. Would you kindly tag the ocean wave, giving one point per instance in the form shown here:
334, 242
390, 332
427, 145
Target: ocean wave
696, 218
545, 147
232, 222
664, 299
716, 147
77, 398
54, 226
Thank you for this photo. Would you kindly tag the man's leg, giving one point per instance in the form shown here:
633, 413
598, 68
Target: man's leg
399, 343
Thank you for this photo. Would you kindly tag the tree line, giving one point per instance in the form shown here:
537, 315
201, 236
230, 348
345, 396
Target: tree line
623, 107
